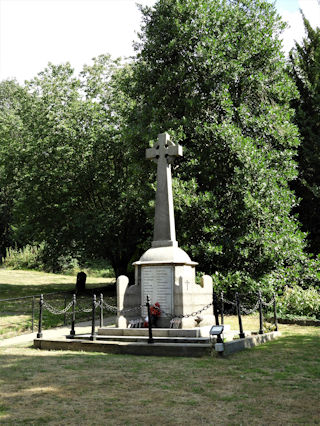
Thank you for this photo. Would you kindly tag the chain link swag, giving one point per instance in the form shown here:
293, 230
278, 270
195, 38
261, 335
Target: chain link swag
114, 309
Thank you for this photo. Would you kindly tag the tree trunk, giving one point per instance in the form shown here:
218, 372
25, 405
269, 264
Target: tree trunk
122, 267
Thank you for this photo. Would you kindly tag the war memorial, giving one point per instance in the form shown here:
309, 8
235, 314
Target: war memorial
164, 312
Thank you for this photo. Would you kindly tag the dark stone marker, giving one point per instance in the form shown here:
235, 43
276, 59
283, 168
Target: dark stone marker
81, 282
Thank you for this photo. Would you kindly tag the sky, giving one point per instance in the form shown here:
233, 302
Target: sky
35, 32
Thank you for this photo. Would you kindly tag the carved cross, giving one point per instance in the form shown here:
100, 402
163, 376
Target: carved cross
163, 153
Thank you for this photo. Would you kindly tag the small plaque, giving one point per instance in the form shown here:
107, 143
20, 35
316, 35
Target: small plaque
157, 282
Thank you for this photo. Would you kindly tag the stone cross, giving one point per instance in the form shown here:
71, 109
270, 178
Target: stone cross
163, 153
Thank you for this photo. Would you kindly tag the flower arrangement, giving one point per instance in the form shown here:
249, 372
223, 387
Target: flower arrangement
155, 313
155, 310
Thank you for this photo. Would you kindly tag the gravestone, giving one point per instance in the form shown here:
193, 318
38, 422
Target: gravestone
81, 282
165, 272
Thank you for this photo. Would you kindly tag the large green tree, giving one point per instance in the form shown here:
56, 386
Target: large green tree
13, 99
79, 190
212, 73
305, 70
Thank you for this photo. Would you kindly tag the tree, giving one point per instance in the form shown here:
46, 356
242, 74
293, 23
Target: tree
305, 70
12, 100
79, 191
212, 73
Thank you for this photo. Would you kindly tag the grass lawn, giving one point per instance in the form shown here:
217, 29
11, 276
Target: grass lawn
16, 316
26, 283
275, 383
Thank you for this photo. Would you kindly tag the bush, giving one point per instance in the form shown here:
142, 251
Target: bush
28, 257
295, 301
303, 275
241, 282
58, 261
99, 268
39, 258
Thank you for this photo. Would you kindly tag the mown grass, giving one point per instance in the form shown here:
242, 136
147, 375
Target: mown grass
16, 315
275, 383
26, 283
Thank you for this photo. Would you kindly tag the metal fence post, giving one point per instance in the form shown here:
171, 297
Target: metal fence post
275, 312
65, 314
241, 333
150, 339
32, 323
215, 307
222, 308
73, 320
260, 315
93, 323
39, 334
101, 310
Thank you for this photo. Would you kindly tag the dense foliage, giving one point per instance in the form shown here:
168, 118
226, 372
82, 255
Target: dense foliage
12, 101
77, 186
213, 74
305, 70
28, 257
298, 302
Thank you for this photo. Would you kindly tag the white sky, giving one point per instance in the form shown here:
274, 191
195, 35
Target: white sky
35, 32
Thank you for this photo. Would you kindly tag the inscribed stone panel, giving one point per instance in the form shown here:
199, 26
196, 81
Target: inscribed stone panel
156, 281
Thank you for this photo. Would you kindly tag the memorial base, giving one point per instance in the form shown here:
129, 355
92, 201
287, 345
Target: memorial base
167, 276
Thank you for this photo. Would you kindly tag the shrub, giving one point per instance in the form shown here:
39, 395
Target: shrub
28, 257
299, 302
241, 282
56, 260
41, 258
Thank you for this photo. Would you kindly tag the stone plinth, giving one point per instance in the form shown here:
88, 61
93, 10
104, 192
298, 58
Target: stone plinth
167, 275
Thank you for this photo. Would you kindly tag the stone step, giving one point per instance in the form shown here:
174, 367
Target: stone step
114, 338
132, 348
158, 332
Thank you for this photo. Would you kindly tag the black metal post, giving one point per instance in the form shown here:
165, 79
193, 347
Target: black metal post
215, 307
101, 310
73, 320
93, 325
32, 323
275, 312
39, 334
241, 333
222, 308
150, 339
65, 314
260, 314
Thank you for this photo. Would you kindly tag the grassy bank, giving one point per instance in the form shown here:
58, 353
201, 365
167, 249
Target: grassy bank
276, 383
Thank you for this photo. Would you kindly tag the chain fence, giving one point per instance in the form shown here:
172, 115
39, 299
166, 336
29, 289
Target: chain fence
56, 304
19, 315
79, 307
55, 311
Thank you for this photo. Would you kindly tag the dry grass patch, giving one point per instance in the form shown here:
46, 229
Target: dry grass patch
11, 325
275, 383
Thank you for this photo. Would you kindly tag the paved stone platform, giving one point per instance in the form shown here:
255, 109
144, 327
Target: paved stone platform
53, 333
197, 332
157, 348
249, 342
134, 344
